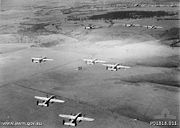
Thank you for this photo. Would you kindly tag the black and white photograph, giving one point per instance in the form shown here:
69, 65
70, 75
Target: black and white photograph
89, 63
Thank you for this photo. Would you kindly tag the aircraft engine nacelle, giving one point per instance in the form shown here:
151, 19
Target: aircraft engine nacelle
63, 122
41, 61
107, 67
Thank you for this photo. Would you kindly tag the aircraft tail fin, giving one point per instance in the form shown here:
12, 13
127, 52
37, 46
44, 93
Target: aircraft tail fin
42, 104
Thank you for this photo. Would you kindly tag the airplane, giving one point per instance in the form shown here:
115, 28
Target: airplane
115, 67
152, 27
41, 59
175, 43
173, 5
93, 61
131, 25
90, 26
137, 5
46, 100
110, 22
74, 119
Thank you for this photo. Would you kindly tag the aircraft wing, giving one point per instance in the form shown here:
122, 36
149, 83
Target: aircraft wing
100, 61
57, 100
145, 26
121, 66
137, 25
67, 116
35, 58
48, 59
87, 60
85, 119
159, 27
41, 98
109, 65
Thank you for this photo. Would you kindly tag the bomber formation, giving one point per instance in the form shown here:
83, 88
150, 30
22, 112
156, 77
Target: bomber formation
89, 63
